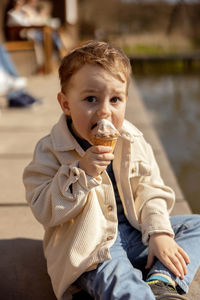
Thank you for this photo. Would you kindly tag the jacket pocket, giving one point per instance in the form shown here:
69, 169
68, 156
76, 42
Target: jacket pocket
140, 168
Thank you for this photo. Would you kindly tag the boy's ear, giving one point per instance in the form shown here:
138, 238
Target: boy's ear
62, 99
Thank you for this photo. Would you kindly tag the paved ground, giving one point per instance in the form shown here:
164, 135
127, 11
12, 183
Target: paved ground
22, 266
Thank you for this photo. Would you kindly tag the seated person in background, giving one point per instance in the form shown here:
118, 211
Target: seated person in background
39, 12
15, 15
29, 13
11, 85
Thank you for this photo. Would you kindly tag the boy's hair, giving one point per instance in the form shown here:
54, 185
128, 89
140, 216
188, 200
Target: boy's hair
108, 57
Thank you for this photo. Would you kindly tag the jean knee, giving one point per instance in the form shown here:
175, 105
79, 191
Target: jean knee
114, 278
187, 221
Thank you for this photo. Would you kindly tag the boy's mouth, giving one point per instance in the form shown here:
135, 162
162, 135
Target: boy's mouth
93, 126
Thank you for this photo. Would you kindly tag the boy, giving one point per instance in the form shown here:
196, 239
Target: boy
101, 210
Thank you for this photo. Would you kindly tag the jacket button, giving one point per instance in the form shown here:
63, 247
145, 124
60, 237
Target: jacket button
109, 238
110, 208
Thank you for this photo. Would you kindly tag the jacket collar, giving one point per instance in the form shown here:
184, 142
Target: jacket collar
63, 140
129, 131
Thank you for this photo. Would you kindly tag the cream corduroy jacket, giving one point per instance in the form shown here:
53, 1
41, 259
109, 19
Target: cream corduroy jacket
79, 212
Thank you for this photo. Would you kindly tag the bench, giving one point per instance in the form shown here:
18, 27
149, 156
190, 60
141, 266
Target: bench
14, 44
24, 272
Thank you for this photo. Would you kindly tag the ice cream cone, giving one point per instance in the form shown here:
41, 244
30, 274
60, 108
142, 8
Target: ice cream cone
99, 141
104, 133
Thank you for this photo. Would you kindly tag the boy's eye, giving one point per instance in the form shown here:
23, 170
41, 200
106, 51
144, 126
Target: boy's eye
91, 99
115, 99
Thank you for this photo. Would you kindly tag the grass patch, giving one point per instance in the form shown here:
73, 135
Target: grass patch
156, 68
142, 49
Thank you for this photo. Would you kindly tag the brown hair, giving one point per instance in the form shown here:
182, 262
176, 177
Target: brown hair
108, 57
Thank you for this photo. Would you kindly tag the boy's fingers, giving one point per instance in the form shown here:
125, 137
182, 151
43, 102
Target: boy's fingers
184, 255
171, 266
102, 163
182, 262
150, 260
174, 265
101, 149
177, 264
105, 157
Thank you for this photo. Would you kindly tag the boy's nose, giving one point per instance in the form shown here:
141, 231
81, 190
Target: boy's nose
103, 111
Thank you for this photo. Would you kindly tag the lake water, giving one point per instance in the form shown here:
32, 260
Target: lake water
174, 105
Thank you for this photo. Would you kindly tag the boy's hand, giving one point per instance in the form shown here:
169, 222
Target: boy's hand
96, 160
164, 247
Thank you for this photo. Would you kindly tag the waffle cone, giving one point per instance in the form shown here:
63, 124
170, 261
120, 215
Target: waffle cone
99, 141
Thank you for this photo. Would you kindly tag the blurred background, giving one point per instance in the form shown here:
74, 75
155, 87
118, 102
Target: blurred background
162, 39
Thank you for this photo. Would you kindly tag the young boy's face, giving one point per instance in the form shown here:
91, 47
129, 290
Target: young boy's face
93, 94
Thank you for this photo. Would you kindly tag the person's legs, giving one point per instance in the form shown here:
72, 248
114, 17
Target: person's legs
56, 40
36, 35
16, 83
116, 278
130, 256
187, 235
6, 62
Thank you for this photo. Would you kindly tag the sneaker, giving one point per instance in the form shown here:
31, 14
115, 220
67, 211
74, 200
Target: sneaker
164, 291
10, 83
23, 100
18, 83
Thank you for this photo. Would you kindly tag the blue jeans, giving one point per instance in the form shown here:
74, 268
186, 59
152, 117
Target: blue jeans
39, 37
123, 276
7, 65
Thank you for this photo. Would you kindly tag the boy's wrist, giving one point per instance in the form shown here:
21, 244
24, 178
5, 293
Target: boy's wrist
157, 234
85, 180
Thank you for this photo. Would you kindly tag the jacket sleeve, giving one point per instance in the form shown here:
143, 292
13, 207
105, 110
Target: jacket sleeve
55, 192
154, 201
